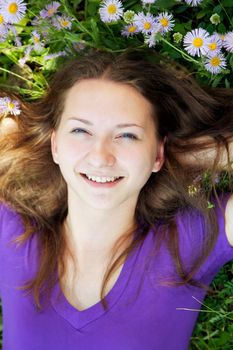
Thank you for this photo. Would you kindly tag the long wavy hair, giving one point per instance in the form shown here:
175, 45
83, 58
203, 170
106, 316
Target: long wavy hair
32, 184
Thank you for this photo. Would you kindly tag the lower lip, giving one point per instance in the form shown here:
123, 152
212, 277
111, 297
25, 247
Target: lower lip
101, 184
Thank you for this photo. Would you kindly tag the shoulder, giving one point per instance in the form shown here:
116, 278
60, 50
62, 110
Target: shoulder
229, 220
18, 259
6, 210
11, 224
196, 232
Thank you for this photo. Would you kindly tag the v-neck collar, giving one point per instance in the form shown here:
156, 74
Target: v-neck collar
79, 319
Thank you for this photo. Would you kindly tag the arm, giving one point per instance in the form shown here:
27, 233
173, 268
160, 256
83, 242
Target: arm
229, 220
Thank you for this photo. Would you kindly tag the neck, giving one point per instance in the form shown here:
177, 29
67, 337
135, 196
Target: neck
93, 230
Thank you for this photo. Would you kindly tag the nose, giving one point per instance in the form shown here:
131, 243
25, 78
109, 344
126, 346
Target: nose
101, 154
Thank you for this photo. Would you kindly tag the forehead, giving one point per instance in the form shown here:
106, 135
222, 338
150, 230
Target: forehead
101, 98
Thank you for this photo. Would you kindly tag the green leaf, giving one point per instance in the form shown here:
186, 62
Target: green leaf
217, 9
92, 8
179, 28
226, 3
227, 83
221, 28
201, 14
165, 4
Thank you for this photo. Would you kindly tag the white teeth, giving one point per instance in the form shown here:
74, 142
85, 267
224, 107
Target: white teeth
102, 179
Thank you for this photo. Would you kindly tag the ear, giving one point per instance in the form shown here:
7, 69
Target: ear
54, 147
159, 157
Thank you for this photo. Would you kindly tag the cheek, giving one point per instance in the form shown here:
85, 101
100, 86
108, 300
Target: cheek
69, 150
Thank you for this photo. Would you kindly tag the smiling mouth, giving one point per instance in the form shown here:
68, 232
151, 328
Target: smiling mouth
102, 179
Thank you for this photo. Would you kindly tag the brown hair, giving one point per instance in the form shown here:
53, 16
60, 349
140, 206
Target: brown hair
32, 184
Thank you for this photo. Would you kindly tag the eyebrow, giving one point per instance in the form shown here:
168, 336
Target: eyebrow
123, 125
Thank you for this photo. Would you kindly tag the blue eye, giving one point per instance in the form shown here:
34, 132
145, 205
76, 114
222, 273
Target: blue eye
128, 135
78, 131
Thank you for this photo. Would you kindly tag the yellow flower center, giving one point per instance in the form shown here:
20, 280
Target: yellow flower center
197, 42
215, 61
1, 19
112, 9
132, 29
13, 8
51, 12
192, 190
36, 40
147, 25
11, 105
64, 23
213, 46
164, 22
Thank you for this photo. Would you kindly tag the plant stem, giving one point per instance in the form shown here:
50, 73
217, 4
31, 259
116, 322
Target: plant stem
16, 75
225, 12
185, 55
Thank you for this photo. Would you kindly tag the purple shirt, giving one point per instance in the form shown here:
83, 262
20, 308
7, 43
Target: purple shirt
144, 312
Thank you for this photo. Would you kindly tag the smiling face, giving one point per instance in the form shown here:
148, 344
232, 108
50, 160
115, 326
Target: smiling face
106, 144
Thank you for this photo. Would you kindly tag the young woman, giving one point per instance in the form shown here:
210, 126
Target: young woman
102, 243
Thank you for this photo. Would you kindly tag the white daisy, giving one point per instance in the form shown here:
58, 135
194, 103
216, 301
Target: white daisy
36, 38
193, 2
215, 45
110, 10
196, 42
26, 57
62, 22
165, 22
50, 9
4, 30
215, 64
79, 46
1, 20
220, 36
55, 55
228, 41
150, 39
12, 10
17, 39
129, 30
7, 105
146, 23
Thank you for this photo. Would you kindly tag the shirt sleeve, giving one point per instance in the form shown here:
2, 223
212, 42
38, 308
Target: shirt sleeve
195, 237
10, 228
222, 251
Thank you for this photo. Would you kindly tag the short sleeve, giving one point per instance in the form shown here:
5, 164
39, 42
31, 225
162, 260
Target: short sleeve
194, 234
10, 227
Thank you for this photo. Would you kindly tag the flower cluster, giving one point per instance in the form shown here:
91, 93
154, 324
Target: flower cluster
197, 42
34, 35
53, 17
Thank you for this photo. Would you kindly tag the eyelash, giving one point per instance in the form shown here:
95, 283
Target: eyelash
129, 136
79, 131
126, 135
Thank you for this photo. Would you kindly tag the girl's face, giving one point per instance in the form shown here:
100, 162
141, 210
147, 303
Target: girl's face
106, 144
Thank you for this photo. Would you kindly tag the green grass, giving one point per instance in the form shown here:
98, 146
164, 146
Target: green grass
214, 329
